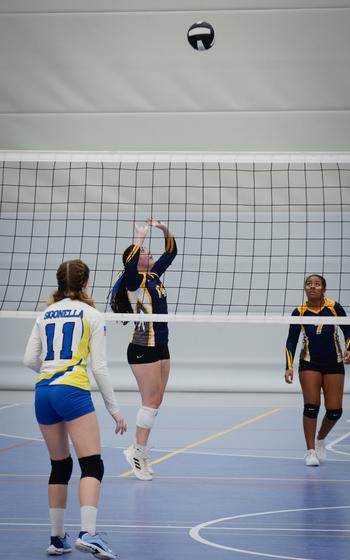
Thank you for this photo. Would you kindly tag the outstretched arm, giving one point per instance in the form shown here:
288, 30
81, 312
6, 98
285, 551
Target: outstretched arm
132, 277
170, 247
141, 231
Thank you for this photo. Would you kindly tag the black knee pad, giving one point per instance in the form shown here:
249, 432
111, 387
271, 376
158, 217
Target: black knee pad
61, 471
334, 414
311, 410
92, 466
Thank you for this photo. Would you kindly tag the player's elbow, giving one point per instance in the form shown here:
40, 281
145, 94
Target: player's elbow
31, 363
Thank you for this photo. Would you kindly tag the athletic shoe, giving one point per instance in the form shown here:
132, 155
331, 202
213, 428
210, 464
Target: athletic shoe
320, 448
311, 459
94, 544
59, 545
139, 462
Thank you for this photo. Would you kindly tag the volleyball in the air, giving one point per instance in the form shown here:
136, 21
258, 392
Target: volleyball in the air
201, 36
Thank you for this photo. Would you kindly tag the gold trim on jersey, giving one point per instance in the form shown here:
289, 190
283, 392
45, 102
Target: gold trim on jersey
289, 359
169, 245
133, 252
330, 303
305, 350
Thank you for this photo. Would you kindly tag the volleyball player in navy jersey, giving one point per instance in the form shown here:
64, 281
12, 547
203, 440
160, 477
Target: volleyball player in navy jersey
321, 366
140, 290
62, 338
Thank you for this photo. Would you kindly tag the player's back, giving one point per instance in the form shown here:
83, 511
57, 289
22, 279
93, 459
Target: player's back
65, 328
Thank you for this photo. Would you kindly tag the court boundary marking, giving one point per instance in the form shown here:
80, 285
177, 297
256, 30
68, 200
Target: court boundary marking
209, 438
194, 532
199, 477
9, 406
208, 453
331, 445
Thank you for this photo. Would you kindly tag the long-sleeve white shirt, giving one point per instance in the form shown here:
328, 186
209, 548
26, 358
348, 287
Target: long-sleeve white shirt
62, 338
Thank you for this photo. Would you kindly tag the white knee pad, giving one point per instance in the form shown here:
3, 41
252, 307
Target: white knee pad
145, 417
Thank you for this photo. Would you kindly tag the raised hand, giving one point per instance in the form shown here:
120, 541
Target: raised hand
154, 223
141, 230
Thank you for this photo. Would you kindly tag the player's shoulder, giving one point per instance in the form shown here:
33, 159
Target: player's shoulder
330, 303
89, 311
334, 307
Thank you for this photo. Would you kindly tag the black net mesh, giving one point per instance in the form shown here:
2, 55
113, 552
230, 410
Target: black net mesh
247, 233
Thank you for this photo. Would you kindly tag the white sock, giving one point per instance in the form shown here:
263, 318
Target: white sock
141, 447
88, 515
57, 522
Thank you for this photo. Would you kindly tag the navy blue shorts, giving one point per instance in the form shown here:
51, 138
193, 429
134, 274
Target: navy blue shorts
57, 403
337, 367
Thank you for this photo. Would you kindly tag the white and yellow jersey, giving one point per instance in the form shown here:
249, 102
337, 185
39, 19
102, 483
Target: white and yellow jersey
61, 340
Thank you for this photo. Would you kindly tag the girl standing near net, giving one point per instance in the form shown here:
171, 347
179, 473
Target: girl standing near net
321, 366
62, 337
140, 290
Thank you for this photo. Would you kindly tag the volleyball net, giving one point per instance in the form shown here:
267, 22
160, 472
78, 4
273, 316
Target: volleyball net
249, 227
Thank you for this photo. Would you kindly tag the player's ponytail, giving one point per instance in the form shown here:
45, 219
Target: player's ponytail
119, 300
72, 276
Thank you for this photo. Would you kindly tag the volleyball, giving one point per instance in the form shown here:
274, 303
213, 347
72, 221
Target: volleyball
201, 36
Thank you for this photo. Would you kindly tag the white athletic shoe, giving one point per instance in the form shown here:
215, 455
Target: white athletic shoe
311, 459
139, 462
320, 448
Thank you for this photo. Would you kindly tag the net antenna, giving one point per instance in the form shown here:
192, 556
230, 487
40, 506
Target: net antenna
249, 228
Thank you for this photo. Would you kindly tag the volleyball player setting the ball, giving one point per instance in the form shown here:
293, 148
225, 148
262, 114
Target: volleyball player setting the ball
62, 337
321, 366
140, 290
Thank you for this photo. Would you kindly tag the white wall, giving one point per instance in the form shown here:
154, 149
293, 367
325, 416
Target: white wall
217, 357
205, 358
106, 75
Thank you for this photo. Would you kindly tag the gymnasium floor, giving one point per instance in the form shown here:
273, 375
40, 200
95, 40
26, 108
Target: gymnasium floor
230, 483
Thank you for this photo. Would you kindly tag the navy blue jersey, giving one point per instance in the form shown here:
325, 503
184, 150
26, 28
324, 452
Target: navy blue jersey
320, 342
147, 294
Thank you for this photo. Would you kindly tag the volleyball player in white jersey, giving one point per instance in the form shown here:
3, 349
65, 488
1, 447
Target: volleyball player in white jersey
62, 337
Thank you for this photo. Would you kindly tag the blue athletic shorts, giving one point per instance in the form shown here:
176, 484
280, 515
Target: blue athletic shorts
57, 403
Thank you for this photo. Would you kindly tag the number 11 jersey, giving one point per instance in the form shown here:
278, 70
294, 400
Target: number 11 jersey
61, 340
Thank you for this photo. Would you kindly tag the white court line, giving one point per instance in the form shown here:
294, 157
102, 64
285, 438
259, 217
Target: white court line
211, 529
111, 526
201, 478
21, 437
9, 406
213, 453
209, 453
330, 446
194, 532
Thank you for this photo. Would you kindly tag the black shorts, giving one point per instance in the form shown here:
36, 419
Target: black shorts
337, 367
147, 354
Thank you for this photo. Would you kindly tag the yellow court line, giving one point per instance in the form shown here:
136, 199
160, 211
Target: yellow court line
214, 436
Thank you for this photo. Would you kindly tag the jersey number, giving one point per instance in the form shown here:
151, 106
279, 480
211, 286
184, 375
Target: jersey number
66, 350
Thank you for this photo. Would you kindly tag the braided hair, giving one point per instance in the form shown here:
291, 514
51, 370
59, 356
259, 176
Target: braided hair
71, 277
